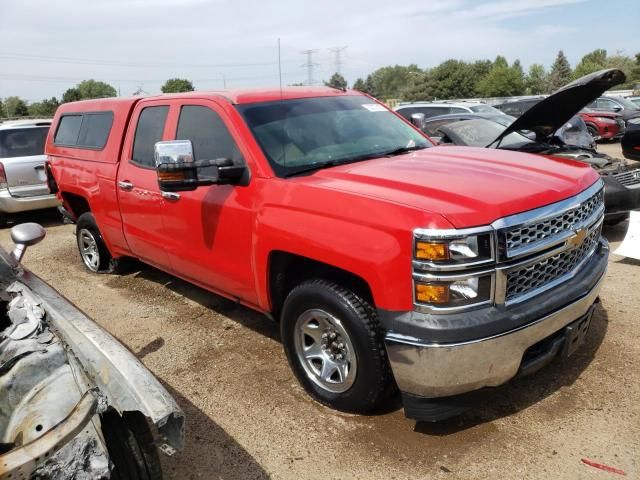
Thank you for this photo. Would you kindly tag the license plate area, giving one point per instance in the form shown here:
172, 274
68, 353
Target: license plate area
576, 332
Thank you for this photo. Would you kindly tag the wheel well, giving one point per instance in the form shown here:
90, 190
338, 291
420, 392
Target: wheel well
77, 204
287, 270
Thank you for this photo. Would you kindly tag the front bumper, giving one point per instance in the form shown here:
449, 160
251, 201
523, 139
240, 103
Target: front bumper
9, 204
429, 369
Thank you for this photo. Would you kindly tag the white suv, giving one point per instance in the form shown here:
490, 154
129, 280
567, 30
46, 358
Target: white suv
23, 181
430, 109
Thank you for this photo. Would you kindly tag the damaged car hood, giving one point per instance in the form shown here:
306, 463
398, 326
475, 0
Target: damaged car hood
64, 381
548, 115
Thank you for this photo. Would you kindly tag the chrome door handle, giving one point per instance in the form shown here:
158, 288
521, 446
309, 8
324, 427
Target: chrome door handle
171, 196
125, 185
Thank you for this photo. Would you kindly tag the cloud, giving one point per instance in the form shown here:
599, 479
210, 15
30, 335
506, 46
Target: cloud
133, 42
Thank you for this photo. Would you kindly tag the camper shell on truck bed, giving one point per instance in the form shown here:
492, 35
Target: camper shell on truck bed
387, 262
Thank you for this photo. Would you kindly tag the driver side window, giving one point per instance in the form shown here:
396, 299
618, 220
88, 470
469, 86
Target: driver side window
209, 136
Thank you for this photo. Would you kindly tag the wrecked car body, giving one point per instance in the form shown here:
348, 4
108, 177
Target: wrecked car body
547, 128
74, 402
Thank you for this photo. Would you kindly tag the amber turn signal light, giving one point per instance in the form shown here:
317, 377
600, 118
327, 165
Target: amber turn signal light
171, 176
432, 293
432, 251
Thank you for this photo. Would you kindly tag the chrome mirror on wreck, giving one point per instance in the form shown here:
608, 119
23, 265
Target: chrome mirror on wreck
25, 235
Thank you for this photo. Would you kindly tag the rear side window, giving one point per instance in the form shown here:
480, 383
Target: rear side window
86, 130
148, 131
22, 142
68, 130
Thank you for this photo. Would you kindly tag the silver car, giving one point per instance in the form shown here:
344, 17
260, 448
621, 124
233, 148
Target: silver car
23, 181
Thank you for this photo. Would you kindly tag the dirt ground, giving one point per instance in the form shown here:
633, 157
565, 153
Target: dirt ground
248, 418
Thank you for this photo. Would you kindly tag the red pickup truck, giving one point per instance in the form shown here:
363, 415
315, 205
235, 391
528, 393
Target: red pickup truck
389, 264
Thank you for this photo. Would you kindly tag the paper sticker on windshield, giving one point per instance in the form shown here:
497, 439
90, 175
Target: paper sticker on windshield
374, 107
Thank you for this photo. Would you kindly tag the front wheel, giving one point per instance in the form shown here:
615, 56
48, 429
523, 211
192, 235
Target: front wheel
334, 345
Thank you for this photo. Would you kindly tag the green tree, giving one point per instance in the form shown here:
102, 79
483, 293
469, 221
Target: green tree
503, 80
450, 79
88, 89
536, 80
1, 109
635, 72
560, 73
337, 81
591, 62
177, 85
71, 95
391, 82
15, 107
45, 108
359, 85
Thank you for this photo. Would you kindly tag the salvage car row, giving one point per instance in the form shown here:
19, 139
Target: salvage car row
330, 214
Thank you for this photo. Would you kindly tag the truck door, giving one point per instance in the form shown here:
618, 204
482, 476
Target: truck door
139, 196
209, 230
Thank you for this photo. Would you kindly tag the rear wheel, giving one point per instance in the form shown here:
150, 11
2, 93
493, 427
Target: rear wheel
334, 345
3, 220
93, 250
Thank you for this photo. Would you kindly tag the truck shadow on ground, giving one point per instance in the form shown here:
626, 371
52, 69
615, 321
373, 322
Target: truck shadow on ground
494, 403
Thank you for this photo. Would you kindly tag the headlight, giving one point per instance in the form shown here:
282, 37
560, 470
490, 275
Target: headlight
453, 269
443, 251
453, 292
609, 121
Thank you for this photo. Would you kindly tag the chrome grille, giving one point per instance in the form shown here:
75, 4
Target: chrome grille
628, 178
523, 236
531, 277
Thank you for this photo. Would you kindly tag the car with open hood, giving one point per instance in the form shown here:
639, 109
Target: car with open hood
74, 402
537, 131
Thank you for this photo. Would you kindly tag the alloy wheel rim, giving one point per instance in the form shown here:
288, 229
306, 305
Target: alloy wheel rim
325, 351
89, 250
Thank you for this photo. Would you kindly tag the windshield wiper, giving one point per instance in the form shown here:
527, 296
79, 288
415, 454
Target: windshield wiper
359, 158
401, 150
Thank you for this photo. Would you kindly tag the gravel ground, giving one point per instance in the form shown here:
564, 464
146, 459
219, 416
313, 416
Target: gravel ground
248, 418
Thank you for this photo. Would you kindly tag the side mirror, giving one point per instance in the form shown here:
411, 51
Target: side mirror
25, 235
177, 171
417, 119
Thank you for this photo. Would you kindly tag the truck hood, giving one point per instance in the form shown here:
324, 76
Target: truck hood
468, 186
548, 115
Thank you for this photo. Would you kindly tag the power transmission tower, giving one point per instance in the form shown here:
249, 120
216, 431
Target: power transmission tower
309, 65
337, 52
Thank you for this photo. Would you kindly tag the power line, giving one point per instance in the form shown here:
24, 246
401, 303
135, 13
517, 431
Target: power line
309, 65
89, 61
337, 52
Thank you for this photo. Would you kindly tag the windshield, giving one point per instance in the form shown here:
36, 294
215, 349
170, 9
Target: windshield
482, 108
481, 133
22, 142
309, 133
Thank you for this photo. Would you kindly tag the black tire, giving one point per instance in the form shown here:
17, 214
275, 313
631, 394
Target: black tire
130, 446
4, 220
593, 131
86, 225
373, 384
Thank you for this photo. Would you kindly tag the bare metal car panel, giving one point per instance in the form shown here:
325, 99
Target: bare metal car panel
59, 371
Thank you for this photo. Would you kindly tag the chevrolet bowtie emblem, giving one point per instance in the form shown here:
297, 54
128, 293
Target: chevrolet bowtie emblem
575, 240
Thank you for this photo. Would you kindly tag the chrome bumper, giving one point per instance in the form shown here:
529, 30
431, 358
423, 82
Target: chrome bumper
438, 370
9, 204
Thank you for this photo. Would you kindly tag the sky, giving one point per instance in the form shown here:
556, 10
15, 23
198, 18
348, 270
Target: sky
48, 46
